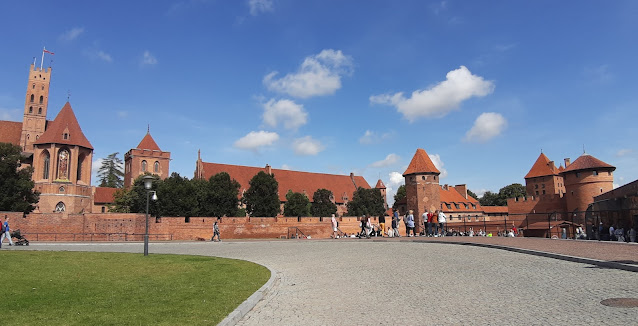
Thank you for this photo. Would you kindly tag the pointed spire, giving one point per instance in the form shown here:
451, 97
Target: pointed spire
199, 154
64, 129
380, 185
421, 163
542, 167
148, 143
148, 128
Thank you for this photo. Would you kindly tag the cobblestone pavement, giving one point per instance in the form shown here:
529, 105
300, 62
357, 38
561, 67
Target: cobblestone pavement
408, 283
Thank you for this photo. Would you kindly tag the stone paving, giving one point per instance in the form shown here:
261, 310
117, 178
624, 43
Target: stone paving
365, 282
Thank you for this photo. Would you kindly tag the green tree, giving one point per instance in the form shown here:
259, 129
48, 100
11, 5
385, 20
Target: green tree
511, 191
322, 204
366, 201
16, 186
176, 196
401, 193
472, 194
488, 199
222, 196
133, 200
111, 172
297, 204
262, 197
122, 201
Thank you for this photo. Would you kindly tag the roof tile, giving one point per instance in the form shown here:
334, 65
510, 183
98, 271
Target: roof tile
65, 120
104, 195
542, 167
421, 163
148, 143
586, 162
10, 132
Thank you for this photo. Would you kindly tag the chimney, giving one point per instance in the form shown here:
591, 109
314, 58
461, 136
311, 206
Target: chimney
445, 186
462, 189
268, 169
352, 178
567, 162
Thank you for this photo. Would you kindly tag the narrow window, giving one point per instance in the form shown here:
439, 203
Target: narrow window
79, 174
30, 109
40, 111
536, 186
65, 136
41, 99
543, 192
144, 166
423, 178
33, 86
103, 209
45, 169
63, 165
32, 98
156, 167
577, 174
536, 192
543, 186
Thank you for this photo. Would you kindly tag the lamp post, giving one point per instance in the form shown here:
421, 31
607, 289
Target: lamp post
148, 184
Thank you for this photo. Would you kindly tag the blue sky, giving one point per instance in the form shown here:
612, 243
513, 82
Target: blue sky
340, 86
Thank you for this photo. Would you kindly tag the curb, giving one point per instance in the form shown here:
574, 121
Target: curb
251, 302
589, 261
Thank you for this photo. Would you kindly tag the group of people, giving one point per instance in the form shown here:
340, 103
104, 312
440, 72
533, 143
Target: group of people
6, 232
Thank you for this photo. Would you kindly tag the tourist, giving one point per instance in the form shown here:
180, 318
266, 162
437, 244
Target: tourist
6, 232
382, 223
430, 223
364, 226
216, 232
425, 222
335, 227
410, 224
395, 224
405, 222
612, 234
632, 234
442, 220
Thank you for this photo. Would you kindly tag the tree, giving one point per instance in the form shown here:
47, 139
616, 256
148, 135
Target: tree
489, 199
222, 196
366, 201
322, 204
401, 193
500, 199
262, 197
16, 186
133, 200
176, 196
472, 194
111, 172
297, 204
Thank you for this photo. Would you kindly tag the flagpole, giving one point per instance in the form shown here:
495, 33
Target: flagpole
42, 62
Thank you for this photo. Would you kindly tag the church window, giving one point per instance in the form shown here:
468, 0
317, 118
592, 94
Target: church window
32, 98
45, 170
156, 167
61, 189
63, 165
40, 111
41, 99
30, 109
144, 166
60, 207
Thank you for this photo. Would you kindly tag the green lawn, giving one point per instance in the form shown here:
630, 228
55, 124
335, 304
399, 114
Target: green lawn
86, 288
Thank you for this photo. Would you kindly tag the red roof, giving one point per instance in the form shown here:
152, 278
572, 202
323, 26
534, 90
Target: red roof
104, 195
10, 132
148, 143
421, 163
65, 122
541, 168
587, 162
453, 196
380, 185
561, 168
495, 209
296, 181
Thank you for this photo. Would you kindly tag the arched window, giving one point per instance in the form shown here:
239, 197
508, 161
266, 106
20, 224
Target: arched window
79, 174
41, 99
32, 98
61, 189
33, 86
45, 168
60, 207
30, 109
156, 167
40, 111
143, 166
28, 136
63, 165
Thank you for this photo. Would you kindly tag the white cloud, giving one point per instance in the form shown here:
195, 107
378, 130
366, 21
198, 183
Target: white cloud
256, 139
438, 163
71, 34
148, 58
371, 137
479, 193
307, 146
95, 167
10, 114
291, 114
96, 54
286, 167
388, 161
624, 152
260, 6
396, 179
318, 75
440, 99
487, 126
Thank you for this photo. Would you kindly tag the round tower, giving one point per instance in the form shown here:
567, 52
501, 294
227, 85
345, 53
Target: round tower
584, 179
422, 186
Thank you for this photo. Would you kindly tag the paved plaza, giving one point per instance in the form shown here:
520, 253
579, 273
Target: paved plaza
363, 282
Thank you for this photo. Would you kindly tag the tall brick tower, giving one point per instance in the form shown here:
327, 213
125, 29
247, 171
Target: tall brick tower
382, 189
146, 157
35, 107
586, 178
422, 186
544, 178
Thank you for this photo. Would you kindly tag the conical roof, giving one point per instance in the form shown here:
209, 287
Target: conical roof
380, 185
148, 143
421, 163
587, 162
542, 168
64, 129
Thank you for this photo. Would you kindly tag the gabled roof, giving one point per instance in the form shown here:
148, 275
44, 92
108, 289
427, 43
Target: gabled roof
421, 163
296, 181
587, 162
148, 143
542, 168
451, 195
64, 122
10, 132
380, 185
104, 195
561, 168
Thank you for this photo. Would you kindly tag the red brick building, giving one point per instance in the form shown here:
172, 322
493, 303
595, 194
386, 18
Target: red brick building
147, 157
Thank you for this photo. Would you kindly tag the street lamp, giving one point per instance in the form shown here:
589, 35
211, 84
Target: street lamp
148, 184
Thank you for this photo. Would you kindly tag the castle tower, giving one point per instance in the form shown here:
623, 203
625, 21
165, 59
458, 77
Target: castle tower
382, 189
147, 157
62, 160
35, 107
544, 178
586, 178
422, 186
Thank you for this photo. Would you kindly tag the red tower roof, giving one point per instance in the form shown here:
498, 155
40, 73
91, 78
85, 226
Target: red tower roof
421, 163
380, 185
587, 162
148, 143
10, 132
64, 129
541, 168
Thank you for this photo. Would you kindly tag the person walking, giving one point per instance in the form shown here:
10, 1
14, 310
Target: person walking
6, 232
424, 218
216, 232
335, 227
430, 223
382, 223
395, 223
442, 220
410, 224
